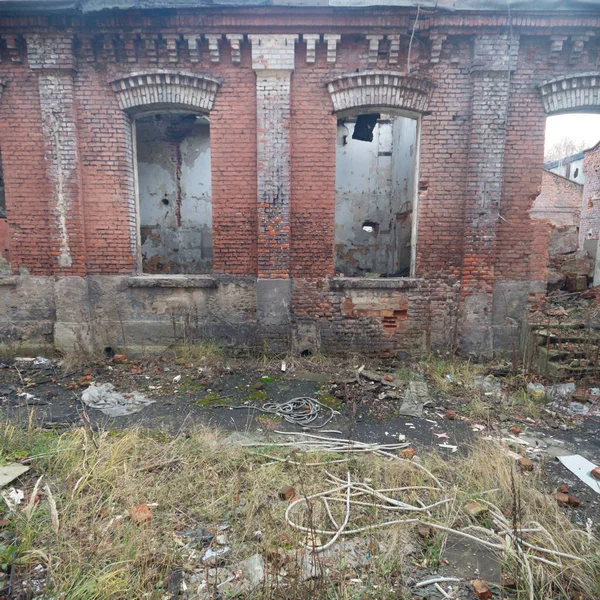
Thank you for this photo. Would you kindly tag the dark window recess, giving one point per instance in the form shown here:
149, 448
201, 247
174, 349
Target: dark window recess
363, 129
576, 174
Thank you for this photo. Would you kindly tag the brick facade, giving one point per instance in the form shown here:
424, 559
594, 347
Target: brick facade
589, 228
271, 81
559, 202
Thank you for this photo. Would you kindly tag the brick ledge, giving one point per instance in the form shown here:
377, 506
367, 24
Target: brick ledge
374, 283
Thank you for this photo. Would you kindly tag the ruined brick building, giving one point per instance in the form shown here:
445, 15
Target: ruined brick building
336, 174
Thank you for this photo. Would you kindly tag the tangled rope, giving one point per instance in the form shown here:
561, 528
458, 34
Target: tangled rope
301, 411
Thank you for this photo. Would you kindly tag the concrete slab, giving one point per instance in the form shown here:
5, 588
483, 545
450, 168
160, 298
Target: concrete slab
10, 472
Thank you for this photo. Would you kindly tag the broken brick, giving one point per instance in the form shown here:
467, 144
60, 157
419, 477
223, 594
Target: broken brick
388, 378
596, 473
525, 464
482, 589
567, 500
515, 430
508, 581
286, 492
120, 358
451, 415
141, 513
425, 531
564, 489
407, 453
475, 509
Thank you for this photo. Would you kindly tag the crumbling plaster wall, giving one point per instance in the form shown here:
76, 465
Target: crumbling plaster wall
173, 167
374, 191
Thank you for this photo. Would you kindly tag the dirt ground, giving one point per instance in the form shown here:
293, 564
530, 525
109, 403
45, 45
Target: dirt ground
466, 404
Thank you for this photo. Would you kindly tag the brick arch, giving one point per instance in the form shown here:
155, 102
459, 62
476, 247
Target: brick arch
572, 93
381, 89
157, 90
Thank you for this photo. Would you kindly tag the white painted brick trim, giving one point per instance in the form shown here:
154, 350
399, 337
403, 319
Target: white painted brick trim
380, 88
140, 91
573, 92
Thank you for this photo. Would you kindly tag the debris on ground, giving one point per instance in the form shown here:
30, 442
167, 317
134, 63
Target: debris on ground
13, 498
141, 513
482, 589
286, 492
416, 397
10, 472
583, 469
105, 399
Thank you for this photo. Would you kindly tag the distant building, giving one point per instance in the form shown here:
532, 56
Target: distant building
570, 167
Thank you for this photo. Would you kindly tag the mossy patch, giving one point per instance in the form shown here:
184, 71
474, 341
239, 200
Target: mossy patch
210, 399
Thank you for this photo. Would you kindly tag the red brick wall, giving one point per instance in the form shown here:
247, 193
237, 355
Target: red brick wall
26, 186
452, 249
559, 202
590, 203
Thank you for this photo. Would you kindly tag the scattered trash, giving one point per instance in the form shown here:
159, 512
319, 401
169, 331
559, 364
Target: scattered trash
401, 437
114, 404
443, 436
415, 398
141, 513
222, 539
120, 358
477, 427
450, 415
10, 472
595, 473
201, 537
515, 430
215, 558
582, 468
286, 492
303, 411
449, 447
41, 361
561, 392
537, 391
177, 379
13, 498
284, 366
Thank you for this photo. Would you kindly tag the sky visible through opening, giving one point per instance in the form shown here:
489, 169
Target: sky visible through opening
581, 128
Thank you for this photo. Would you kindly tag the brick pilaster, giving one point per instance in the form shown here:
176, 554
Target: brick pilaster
53, 60
273, 63
494, 57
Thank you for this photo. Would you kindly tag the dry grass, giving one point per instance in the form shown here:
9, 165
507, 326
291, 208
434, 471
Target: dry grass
199, 480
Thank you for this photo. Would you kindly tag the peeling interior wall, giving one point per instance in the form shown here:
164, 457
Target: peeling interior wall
173, 154
374, 198
4, 232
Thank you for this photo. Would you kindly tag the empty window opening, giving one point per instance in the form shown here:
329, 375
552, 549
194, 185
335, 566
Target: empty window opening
376, 162
174, 186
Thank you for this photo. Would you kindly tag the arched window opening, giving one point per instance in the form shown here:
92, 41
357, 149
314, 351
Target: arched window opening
174, 191
376, 164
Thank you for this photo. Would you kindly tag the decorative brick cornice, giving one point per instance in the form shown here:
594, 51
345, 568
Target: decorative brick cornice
575, 92
166, 89
380, 88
